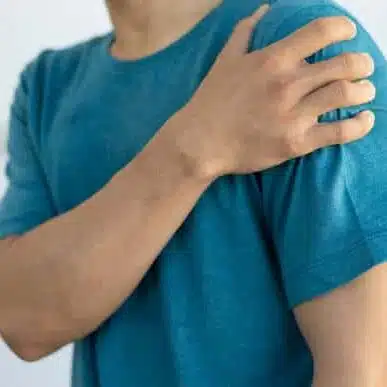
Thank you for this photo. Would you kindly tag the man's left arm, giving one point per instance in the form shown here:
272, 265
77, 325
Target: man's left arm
327, 216
347, 334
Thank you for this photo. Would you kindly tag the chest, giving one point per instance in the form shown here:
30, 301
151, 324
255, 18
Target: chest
101, 129
105, 121
217, 267
102, 122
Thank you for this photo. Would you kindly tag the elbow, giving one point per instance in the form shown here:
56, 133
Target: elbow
27, 352
31, 345
41, 337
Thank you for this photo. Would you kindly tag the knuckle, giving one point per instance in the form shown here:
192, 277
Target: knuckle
294, 142
293, 146
360, 64
325, 27
350, 62
279, 87
351, 129
340, 132
304, 121
334, 27
282, 89
272, 63
345, 131
344, 90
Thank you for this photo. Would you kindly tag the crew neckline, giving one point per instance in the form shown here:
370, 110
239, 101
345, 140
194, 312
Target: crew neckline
165, 51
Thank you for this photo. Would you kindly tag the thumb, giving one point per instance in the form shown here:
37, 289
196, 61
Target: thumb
240, 38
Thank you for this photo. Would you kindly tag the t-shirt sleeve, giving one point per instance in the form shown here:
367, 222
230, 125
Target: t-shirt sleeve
327, 212
27, 202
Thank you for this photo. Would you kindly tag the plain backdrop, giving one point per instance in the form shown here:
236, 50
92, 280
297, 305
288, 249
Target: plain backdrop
27, 27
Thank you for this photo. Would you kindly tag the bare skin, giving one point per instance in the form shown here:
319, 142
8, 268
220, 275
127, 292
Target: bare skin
143, 27
51, 271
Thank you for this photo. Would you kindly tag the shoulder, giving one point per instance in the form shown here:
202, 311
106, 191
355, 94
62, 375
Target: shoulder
47, 79
59, 65
287, 16
326, 210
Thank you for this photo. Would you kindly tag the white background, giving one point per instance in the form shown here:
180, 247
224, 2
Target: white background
26, 27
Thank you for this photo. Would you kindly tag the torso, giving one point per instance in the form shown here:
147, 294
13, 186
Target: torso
211, 311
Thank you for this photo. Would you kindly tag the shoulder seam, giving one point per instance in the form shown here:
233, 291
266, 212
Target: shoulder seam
298, 11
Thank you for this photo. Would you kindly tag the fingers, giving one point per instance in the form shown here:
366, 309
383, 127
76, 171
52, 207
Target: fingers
312, 38
337, 95
348, 66
339, 132
239, 41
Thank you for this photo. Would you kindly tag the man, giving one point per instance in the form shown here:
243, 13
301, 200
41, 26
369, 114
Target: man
152, 219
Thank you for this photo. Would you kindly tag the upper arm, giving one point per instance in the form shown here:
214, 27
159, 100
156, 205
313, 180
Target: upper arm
327, 216
27, 201
346, 332
327, 212
5, 242
5, 245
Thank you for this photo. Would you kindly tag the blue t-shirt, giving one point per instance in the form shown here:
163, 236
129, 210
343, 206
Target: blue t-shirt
216, 307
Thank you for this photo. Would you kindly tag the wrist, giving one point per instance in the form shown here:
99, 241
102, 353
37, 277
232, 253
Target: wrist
184, 137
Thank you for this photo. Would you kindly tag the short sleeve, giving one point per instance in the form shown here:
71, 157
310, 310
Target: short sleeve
26, 202
327, 212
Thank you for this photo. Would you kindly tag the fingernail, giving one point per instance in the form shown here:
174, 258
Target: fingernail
371, 61
366, 82
265, 7
370, 115
370, 85
354, 29
262, 9
367, 55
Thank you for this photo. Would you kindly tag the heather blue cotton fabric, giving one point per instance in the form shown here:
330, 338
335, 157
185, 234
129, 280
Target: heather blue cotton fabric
216, 307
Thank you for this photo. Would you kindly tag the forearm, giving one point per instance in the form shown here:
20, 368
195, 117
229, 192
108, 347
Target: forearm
355, 380
61, 280
365, 367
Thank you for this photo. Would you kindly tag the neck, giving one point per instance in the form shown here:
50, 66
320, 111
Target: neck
145, 26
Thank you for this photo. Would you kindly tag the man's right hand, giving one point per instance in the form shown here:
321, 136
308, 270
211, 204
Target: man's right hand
256, 110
